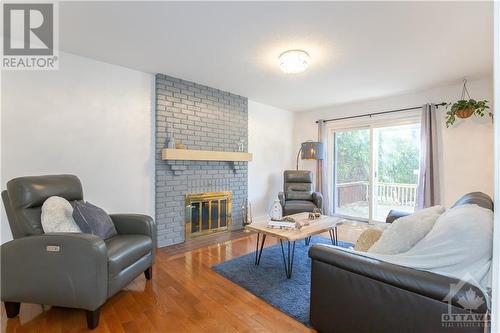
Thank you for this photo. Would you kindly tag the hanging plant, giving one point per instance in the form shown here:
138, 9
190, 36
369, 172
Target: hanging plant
465, 107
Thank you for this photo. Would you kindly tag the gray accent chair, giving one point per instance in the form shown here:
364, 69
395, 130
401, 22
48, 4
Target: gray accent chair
298, 195
72, 270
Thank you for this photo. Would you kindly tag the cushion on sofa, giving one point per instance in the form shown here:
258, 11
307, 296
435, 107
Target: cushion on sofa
124, 250
406, 231
367, 239
57, 216
93, 220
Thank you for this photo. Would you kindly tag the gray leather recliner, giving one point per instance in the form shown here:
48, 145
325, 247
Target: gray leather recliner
73, 270
347, 286
298, 195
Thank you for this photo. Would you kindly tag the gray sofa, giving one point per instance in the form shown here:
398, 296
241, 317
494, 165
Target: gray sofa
298, 195
73, 270
353, 293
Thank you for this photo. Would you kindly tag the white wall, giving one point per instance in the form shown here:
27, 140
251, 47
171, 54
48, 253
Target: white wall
94, 120
495, 318
88, 118
270, 133
467, 159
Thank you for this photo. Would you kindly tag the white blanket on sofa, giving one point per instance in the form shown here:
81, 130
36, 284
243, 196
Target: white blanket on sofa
459, 245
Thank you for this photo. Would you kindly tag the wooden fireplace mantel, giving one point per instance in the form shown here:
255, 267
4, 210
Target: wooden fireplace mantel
204, 155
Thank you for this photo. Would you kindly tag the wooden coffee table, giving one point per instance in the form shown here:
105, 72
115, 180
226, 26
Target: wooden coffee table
315, 227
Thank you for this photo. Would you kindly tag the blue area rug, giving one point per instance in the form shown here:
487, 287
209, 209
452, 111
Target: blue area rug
268, 280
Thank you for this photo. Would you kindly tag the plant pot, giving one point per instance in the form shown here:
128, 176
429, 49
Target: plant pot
465, 113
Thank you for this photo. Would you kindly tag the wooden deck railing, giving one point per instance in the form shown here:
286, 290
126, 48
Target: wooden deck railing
386, 193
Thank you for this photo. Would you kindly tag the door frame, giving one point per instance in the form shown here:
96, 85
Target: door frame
368, 122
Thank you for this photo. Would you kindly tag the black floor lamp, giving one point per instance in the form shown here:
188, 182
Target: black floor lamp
311, 150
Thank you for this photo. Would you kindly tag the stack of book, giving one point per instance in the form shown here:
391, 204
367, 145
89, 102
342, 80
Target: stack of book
295, 221
284, 224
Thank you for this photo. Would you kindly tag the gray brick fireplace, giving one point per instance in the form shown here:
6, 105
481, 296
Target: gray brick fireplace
201, 118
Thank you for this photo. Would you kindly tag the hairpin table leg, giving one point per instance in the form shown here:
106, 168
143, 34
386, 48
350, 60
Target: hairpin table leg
258, 252
331, 232
288, 259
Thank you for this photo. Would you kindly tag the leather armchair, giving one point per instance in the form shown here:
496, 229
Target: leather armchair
388, 298
298, 195
72, 270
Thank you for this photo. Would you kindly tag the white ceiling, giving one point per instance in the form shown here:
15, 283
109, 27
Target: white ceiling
359, 50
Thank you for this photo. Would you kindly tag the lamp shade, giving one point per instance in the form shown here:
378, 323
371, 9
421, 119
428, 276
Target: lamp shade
312, 150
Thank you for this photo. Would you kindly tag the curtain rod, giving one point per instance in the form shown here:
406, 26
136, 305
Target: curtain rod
377, 113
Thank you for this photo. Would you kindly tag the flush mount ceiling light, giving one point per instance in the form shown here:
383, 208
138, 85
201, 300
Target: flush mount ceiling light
294, 61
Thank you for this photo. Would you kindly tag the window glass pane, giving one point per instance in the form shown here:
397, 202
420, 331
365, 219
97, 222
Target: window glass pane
223, 215
195, 217
204, 216
215, 214
397, 156
352, 173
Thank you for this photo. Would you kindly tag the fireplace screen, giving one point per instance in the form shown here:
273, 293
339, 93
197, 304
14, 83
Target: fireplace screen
207, 213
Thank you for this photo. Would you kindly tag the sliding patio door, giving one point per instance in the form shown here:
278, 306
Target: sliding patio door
375, 169
352, 173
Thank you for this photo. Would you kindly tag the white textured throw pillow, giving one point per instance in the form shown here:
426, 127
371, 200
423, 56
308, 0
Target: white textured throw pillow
406, 231
57, 216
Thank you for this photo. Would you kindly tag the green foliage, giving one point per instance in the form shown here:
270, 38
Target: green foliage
396, 165
397, 156
353, 156
479, 108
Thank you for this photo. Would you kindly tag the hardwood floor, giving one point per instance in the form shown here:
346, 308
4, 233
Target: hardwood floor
204, 241
185, 295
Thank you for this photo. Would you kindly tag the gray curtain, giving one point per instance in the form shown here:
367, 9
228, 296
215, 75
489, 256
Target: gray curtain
322, 169
428, 192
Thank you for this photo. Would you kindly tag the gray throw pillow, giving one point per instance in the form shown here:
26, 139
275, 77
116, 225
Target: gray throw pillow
93, 220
